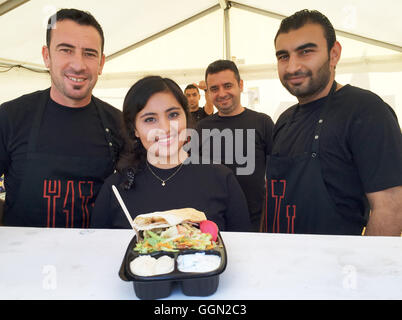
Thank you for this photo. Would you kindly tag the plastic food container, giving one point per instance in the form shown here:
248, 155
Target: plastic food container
160, 286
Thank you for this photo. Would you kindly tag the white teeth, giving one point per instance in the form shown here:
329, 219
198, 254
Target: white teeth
162, 140
76, 79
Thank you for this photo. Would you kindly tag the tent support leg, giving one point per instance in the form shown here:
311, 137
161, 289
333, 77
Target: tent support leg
226, 36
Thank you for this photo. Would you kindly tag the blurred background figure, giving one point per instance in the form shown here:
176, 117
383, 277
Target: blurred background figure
193, 96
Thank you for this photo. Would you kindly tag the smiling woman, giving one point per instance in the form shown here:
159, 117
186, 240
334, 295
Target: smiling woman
154, 172
156, 116
161, 127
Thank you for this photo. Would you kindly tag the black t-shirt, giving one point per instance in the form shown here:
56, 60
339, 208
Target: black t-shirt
72, 131
63, 131
212, 189
360, 145
199, 115
244, 150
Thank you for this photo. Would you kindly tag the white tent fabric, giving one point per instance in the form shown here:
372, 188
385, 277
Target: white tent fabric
179, 38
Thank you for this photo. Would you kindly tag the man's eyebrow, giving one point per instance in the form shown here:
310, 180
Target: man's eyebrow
63, 44
302, 47
91, 50
281, 52
306, 45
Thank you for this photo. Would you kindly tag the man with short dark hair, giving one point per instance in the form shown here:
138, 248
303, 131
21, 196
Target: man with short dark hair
338, 152
236, 136
193, 97
58, 145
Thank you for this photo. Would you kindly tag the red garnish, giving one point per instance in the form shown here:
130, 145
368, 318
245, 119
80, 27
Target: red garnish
208, 226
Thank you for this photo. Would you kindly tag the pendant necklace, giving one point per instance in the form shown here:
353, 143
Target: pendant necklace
168, 178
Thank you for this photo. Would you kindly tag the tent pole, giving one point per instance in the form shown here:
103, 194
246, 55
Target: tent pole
263, 12
9, 5
341, 33
6, 63
226, 28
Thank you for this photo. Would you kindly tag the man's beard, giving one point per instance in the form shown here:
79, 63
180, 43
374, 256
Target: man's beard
313, 86
229, 108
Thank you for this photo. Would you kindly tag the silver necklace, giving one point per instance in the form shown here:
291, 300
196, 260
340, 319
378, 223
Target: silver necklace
168, 178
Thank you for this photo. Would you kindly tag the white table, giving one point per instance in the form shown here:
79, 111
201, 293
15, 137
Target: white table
38, 263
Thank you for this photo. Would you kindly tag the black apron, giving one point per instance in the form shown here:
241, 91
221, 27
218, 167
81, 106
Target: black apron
296, 195
58, 191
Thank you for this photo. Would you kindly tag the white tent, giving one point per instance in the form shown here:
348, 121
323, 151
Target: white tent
179, 38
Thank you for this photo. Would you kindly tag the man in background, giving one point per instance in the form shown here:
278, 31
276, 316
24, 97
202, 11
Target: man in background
235, 136
193, 97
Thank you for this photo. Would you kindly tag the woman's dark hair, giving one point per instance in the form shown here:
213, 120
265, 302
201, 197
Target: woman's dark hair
134, 155
303, 17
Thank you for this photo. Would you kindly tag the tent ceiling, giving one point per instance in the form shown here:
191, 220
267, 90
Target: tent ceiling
184, 36
375, 19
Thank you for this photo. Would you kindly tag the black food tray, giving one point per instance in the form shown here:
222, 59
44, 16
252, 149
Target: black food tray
160, 286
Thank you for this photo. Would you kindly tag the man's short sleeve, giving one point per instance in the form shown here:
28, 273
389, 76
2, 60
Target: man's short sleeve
376, 144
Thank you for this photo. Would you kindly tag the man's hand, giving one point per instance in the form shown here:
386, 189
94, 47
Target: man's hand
209, 106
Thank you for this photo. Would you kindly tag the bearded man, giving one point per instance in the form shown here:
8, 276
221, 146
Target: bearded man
336, 161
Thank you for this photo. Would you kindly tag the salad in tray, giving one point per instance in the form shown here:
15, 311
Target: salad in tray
174, 230
184, 236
